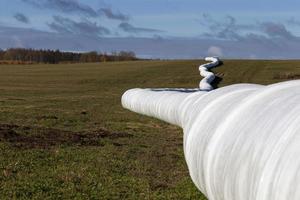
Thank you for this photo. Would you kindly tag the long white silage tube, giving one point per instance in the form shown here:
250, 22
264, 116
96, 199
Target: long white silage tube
208, 76
241, 142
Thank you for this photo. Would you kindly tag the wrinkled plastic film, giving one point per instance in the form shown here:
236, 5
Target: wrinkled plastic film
241, 142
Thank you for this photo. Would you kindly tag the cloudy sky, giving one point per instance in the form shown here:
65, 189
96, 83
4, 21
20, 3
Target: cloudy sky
156, 28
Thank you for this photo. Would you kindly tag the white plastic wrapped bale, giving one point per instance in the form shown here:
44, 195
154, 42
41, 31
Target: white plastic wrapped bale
241, 142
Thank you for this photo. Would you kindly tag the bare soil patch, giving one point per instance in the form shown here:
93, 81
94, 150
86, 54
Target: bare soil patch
38, 137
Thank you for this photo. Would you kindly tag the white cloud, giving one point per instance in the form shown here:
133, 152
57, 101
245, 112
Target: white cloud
215, 51
262, 48
17, 41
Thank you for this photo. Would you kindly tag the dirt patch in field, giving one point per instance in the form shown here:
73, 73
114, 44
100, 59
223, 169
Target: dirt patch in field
37, 137
286, 76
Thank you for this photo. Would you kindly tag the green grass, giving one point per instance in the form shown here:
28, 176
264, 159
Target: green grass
85, 98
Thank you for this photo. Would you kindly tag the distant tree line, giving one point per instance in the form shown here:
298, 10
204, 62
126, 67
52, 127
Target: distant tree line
56, 56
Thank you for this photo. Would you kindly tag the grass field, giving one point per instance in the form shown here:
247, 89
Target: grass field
64, 134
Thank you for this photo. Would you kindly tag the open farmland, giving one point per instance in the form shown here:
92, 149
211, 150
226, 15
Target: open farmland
64, 134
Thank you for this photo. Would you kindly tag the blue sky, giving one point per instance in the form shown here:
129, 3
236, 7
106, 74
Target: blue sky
156, 28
